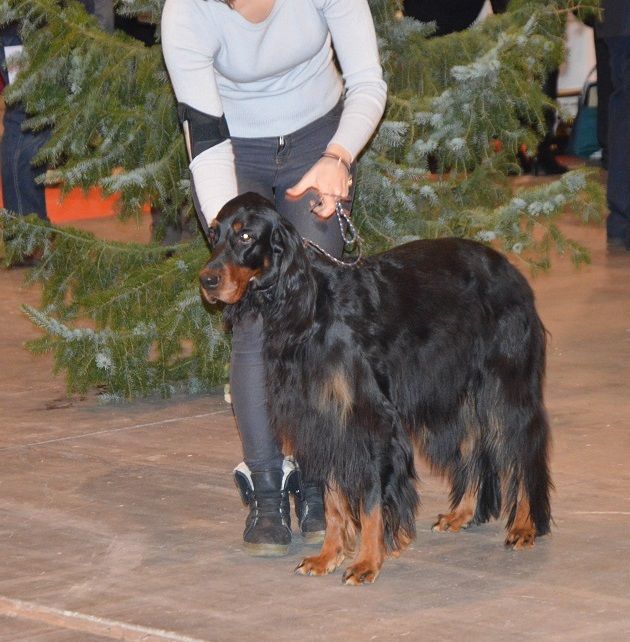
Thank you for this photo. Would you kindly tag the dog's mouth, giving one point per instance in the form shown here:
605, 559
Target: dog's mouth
212, 299
229, 296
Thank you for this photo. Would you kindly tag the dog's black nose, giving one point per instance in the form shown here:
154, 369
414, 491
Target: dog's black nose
209, 281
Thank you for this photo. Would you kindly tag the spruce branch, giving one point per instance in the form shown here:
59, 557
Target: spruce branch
120, 339
127, 318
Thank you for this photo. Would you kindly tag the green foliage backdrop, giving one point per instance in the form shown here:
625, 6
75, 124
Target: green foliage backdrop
128, 318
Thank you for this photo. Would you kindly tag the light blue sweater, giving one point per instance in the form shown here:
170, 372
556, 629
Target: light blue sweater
273, 77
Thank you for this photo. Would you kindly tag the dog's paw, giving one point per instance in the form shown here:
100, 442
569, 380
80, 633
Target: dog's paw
521, 538
317, 565
452, 523
402, 540
361, 573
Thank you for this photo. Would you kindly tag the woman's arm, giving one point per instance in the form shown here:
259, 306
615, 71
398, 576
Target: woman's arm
354, 40
187, 50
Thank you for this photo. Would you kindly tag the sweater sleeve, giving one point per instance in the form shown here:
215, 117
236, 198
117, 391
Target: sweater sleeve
354, 39
188, 55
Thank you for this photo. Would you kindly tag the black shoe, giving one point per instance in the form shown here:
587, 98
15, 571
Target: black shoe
268, 526
618, 230
547, 165
525, 162
309, 508
618, 241
29, 261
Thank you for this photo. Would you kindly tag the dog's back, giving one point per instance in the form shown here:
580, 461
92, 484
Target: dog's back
444, 310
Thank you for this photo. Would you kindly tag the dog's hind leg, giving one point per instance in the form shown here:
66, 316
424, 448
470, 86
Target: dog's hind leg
522, 532
339, 539
464, 492
460, 517
369, 560
530, 513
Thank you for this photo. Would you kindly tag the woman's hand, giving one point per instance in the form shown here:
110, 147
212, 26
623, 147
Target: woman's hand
330, 178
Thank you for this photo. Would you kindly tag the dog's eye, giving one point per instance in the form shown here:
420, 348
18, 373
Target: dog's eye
245, 237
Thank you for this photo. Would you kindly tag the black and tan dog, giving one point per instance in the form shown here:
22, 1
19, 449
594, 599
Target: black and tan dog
434, 343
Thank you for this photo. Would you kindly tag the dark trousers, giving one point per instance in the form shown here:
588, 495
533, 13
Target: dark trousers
21, 194
618, 222
269, 166
604, 89
550, 88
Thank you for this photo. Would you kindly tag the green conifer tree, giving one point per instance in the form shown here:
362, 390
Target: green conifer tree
128, 318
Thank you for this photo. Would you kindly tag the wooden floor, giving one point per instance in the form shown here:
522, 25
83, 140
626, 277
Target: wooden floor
123, 523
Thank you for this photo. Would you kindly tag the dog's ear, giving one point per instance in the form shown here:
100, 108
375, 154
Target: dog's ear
289, 278
285, 248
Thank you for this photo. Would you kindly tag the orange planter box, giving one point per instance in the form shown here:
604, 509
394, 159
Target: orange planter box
78, 205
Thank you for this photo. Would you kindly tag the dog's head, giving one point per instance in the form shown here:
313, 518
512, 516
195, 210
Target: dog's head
249, 241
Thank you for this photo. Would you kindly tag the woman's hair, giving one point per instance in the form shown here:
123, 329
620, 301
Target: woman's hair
227, 2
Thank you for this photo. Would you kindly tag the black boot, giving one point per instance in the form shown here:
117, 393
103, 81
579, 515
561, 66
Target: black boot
546, 164
309, 508
268, 526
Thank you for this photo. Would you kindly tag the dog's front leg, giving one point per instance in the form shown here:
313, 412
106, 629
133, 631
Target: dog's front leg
367, 564
339, 538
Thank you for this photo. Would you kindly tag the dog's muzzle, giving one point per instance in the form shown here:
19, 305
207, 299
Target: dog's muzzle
209, 281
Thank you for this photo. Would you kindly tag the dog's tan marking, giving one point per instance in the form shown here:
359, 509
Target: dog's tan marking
339, 538
522, 533
237, 226
369, 560
287, 444
402, 541
468, 417
467, 447
336, 390
459, 518
240, 277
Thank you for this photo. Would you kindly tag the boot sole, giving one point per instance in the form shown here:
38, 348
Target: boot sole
313, 538
266, 550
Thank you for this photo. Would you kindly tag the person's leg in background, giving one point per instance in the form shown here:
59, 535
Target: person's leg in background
21, 193
604, 90
618, 221
545, 162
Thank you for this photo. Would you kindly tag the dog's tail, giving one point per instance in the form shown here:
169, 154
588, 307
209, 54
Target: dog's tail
530, 478
488, 492
524, 447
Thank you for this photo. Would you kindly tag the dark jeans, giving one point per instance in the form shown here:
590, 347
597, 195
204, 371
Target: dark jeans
550, 88
618, 222
21, 194
604, 89
269, 166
